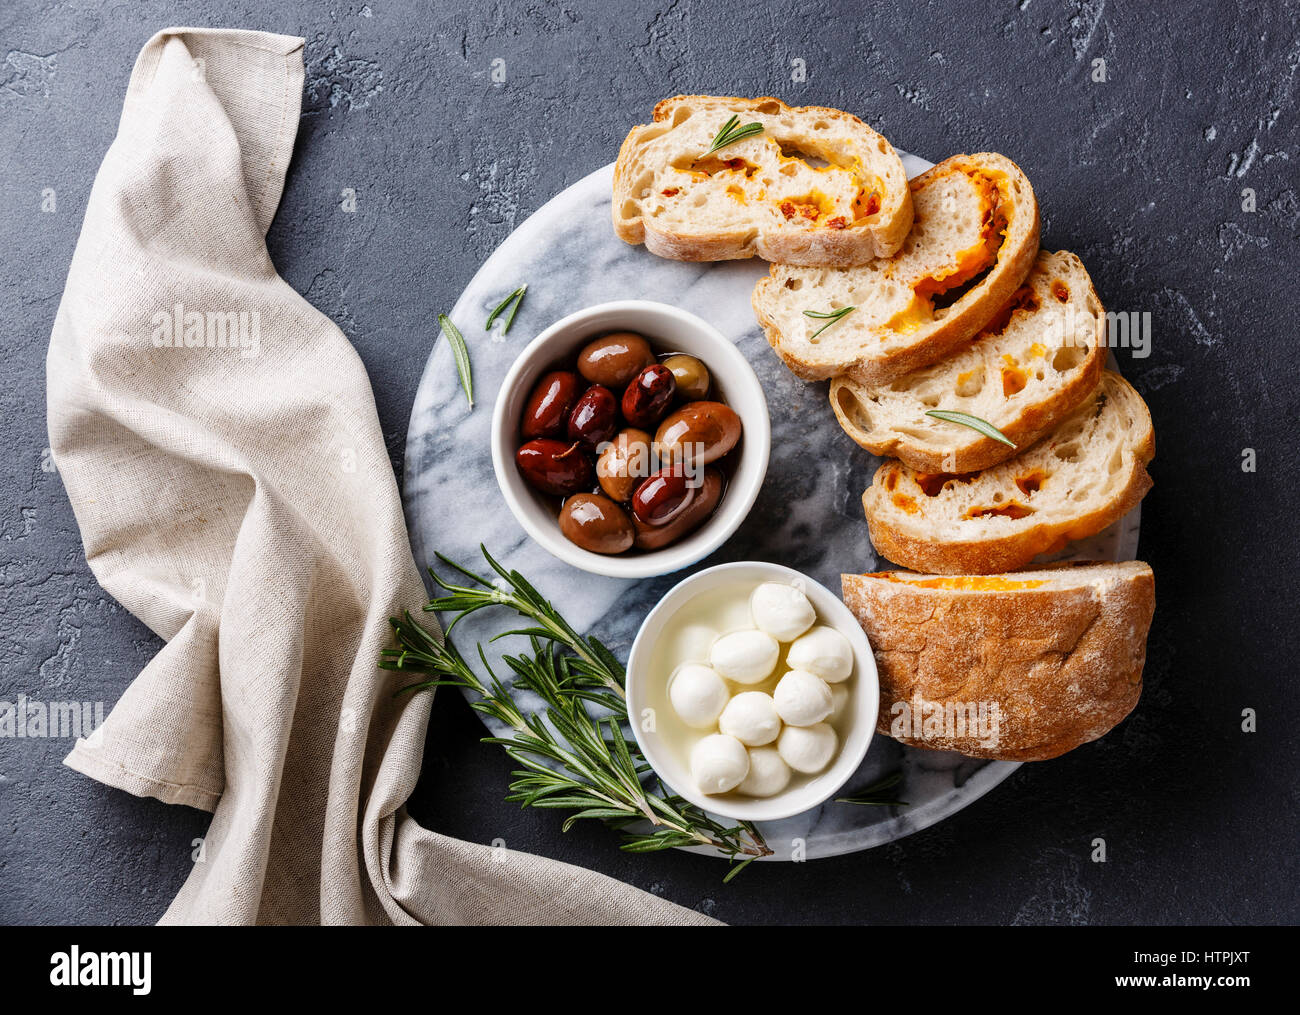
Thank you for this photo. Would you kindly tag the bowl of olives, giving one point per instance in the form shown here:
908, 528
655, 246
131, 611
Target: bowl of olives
630, 439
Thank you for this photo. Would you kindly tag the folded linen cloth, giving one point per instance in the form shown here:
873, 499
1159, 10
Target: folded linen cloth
219, 443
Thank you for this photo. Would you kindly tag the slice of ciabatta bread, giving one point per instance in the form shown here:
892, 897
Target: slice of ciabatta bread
1029, 368
1042, 661
973, 240
816, 186
1085, 474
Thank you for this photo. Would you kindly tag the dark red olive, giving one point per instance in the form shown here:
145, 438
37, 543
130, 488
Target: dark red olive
555, 467
647, 398
594, 419
548, 407
662, 497
655, 537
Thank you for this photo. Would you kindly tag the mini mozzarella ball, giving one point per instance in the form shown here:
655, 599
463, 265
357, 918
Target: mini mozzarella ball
694, 642
807, 749
783, 611
768, 774
719, 763
751, 718
823, 652
698, 695
839, 698
802, 699
746, 657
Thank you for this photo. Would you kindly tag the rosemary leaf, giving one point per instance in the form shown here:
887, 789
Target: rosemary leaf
460, 353
877, 794
731, 132
829, 316
974, 422
512, 301
736, 868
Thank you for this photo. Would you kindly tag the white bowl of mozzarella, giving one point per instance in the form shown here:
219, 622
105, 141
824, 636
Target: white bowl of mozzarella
752, 691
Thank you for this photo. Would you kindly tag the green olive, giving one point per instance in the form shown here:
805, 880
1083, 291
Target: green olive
691, 375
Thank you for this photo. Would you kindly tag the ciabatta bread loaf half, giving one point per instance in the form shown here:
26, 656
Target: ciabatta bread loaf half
1017, 667
1029, 368
974, 238
816, 186
1085, 474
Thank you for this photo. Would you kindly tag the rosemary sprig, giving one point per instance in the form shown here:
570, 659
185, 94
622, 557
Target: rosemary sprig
877, 794
974, 422
731, 132
460, 353
829, 316
515, 298
573, 754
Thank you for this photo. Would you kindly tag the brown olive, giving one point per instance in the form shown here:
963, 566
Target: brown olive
701, 432
554, 467
548, 407
624, 463
654, 537
596, 523
662, 497
594, 419
648, 396
613, 360
691, 375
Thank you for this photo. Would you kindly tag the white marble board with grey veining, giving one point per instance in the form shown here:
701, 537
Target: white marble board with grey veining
808, 515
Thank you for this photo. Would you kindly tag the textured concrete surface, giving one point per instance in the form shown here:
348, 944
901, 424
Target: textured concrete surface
1149, 175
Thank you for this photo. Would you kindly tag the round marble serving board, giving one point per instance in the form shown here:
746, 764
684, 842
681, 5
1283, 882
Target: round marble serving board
808, 515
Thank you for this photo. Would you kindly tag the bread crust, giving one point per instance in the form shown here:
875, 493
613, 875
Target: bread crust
1034, 422
820, 247
971, 313
1062, 662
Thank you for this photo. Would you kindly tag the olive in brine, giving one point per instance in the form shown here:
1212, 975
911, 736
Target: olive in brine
554, 467
594, 418
623, 463
548, 407
655, 537
662, 497
649, 395
700, 432
596, 523
691, 375
613, 360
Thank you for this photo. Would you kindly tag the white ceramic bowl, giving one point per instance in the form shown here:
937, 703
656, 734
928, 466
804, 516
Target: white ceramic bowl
647, 689
670, 330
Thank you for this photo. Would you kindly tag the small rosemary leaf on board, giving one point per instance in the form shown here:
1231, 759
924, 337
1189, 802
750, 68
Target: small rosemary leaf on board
877, 794
515, 298
829, 316
974, 422
460, 353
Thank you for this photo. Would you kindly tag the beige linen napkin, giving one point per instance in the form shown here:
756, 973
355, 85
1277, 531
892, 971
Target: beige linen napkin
218, 440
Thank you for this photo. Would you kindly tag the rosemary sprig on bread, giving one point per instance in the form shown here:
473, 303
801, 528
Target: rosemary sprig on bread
973, 422
733, 131
829, 316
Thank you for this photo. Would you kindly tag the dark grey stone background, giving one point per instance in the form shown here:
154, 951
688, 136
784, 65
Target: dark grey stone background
1142, 175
